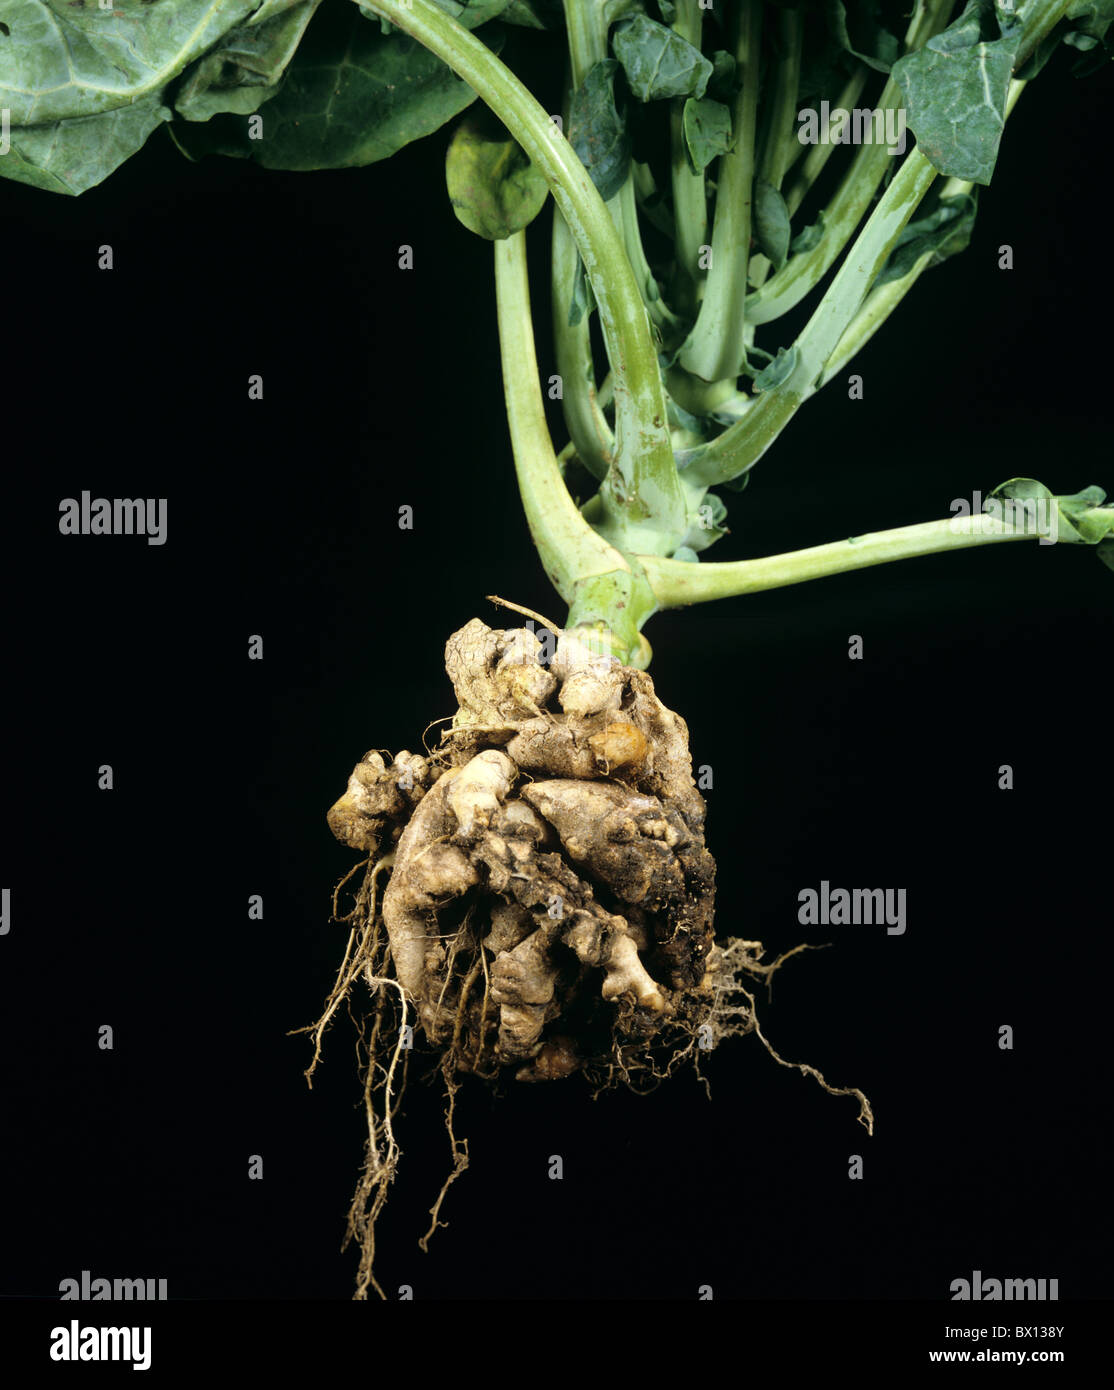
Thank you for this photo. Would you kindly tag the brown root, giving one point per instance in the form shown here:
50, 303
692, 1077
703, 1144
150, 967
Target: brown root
550, 902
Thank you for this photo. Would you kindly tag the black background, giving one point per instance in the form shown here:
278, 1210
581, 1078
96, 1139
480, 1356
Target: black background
382, 387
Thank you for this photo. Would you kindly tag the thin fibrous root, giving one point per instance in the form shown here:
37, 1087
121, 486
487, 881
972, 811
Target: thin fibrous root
458, 1148
735, 960
347, 972
380, 1164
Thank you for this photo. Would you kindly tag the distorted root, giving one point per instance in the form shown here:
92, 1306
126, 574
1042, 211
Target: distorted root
538, 898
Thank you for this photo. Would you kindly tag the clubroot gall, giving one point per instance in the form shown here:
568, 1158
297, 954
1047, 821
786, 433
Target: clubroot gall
536, 896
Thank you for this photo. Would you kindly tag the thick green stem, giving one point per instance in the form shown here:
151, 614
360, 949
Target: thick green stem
676, 583
743, 444
642, 493
714, 349
570, 550
605, 590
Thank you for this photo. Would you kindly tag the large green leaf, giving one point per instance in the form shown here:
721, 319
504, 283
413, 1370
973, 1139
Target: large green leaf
955, 91
59, 61
84, 86
658, 62
597, 132
351, 96
494, 189
72, 156
246, 67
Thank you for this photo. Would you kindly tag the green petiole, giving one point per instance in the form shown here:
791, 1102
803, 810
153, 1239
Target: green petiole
676, 583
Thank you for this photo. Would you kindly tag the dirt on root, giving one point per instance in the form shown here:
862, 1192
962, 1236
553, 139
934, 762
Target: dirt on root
535, 899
